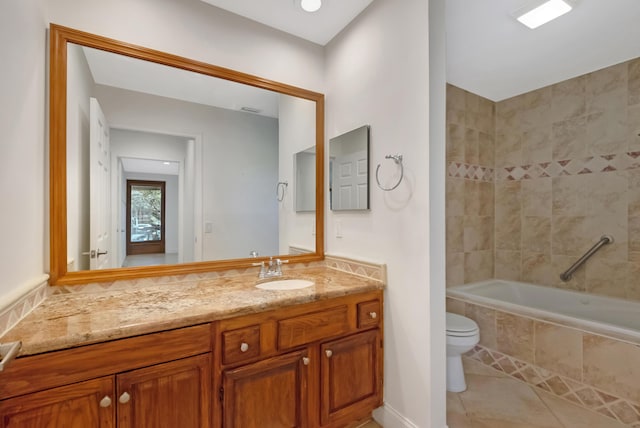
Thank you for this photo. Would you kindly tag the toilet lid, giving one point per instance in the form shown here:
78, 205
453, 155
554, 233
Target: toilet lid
459, 324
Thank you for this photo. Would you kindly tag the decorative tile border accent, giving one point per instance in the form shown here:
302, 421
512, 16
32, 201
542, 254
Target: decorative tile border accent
368, 270
578, 393
470, 172
12, 314
588, 165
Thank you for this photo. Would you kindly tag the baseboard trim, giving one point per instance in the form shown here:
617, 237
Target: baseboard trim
389, 417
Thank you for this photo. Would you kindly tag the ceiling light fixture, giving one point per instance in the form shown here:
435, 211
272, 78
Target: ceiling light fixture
310, 5
542, 11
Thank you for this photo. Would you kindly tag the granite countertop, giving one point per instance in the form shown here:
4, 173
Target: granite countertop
68, 320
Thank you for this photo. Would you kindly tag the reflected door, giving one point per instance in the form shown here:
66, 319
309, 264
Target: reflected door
350, 182
100, 179
146, 217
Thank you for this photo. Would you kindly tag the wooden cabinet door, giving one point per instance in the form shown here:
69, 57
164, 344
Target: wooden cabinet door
79, 405
350, 377
270, 393
169, 395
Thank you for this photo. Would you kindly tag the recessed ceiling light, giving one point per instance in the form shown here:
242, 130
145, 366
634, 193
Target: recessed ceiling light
166, 163
542, 11
310, 5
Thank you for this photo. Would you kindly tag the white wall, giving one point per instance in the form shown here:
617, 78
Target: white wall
377, 72
79, 90
296, 133
23, 180
239, 165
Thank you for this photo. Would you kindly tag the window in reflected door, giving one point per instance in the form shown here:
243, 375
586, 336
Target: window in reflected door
145, 211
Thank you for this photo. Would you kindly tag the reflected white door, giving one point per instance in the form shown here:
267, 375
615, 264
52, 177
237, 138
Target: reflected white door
350, 181
100, 200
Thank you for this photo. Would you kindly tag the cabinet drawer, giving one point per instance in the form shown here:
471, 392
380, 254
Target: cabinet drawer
369, 314
312, 327
241, 344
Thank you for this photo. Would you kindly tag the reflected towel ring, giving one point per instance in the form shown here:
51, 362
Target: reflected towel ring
282, 185
398, 160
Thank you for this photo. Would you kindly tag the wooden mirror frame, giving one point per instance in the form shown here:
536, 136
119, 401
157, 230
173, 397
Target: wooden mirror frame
59, 38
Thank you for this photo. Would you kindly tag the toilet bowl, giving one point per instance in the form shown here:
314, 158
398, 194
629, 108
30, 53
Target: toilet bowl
462, 335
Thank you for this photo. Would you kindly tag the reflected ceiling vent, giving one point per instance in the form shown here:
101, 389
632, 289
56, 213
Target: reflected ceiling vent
251, 109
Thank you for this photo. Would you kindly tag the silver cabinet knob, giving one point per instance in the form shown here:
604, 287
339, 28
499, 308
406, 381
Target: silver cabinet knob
328, 353
305, 361
373, 315
244, 347
106, 401
124, 398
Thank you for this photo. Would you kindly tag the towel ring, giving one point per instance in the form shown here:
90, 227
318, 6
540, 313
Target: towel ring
398, 160
281, 188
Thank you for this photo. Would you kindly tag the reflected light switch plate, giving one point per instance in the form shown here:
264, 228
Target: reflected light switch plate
338, 229
208, 227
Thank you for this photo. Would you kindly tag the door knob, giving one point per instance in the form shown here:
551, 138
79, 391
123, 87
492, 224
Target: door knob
101, 253
124, 398
305, 361
373, 315
244, 347
328, 353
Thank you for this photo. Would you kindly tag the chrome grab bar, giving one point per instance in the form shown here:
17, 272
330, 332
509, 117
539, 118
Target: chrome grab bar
604, 240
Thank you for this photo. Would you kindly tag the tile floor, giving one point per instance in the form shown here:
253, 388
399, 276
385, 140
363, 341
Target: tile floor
495, 400
150, 259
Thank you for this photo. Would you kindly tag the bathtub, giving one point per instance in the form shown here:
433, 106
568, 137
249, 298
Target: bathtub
578, 346
598, 314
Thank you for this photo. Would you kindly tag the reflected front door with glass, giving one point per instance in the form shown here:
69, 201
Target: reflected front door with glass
145, 212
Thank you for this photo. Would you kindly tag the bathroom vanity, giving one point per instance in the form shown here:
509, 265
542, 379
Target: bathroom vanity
217, 353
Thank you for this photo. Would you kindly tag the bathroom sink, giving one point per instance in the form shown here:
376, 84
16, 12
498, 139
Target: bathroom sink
285, 284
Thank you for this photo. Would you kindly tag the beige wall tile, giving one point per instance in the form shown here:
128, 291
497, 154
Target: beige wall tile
471, 197
486, 320
559, 349
455, 269
471, 147
570, 195
536, 268
455, 306
634, 234
634, 192
537, 197
607, 88
508, 115
536, 234
455, 143
603, 368
486, 149
568, 235
456, 97
508, 265
536, 145
568, 98
633, 286
486, 202
633, 81
607, 193
455, 196
455, 234
569, 138
478, 233
607, 277
607, 130
515, 336
478, 266
508, 148
633, 127
614, 224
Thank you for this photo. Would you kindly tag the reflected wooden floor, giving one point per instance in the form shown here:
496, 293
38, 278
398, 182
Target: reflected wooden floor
150, 259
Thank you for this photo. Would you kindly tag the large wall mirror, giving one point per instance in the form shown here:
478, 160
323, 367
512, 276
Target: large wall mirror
161, 165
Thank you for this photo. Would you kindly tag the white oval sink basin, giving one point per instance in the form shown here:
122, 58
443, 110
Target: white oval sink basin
285, 284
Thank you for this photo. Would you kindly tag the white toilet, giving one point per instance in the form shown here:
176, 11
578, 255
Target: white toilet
462, 335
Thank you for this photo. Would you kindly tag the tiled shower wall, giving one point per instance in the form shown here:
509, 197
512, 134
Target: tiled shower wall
565, 162
470, 205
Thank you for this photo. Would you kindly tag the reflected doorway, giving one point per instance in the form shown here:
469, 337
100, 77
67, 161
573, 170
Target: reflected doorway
145, 217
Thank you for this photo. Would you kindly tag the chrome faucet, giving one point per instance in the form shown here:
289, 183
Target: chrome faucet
274, 268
